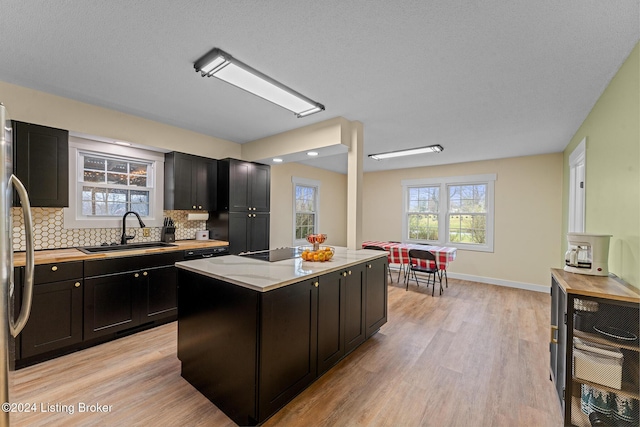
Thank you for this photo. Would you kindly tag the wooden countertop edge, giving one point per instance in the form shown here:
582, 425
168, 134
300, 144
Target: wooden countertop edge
596, 286
48, 256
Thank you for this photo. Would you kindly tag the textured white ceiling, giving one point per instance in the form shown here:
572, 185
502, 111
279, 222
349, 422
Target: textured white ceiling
485, 79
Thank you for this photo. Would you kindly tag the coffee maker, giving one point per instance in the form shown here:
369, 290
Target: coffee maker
587, 254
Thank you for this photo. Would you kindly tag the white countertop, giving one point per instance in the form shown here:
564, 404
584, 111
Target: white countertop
265, 276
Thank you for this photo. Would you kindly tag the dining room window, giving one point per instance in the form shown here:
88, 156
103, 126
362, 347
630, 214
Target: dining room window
452, 211
306, 194
422, 213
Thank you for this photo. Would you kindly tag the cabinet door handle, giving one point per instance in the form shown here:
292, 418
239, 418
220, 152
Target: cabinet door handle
54, 268
77, 284
349, 272
199, 207
249, 215
369, 266
194, 206
554, 340
136, 275
316, 284
344, 274
145, 273
254, 215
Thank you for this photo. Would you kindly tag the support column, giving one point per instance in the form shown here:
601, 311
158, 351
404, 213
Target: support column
354, 187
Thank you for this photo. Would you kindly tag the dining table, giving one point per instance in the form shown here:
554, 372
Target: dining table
399, 254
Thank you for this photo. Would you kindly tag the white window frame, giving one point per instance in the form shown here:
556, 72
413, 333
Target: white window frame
306, 183
73, 217
443, 206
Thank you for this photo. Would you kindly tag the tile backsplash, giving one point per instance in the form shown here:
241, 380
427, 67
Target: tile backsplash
49, 231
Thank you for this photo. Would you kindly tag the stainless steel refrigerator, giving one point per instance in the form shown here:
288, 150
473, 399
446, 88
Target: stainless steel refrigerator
9, 324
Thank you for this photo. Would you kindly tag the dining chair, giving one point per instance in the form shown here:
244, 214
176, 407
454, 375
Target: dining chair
378, 248
417, 254
400, 267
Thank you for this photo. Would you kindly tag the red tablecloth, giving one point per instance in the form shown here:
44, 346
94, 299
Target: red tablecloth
399, 252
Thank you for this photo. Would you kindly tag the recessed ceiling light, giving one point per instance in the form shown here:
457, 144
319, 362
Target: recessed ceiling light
122, 143
277, 160
312, 153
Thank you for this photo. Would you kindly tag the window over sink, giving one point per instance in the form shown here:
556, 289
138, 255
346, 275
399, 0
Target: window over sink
108, 180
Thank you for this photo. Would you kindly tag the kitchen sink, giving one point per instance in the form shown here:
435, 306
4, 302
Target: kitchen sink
127, 247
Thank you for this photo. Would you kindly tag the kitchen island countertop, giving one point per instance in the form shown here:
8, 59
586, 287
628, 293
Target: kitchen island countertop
265, 276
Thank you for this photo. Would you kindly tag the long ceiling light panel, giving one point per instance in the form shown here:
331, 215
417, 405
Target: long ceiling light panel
220, 64
430, 149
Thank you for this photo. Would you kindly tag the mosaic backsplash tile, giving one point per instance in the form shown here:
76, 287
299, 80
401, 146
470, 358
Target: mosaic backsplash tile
49, 231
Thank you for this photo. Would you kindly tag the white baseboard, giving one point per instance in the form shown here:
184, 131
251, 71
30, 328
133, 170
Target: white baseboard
500, 282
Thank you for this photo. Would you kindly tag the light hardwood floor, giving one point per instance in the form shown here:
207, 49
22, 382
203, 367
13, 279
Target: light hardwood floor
475, 356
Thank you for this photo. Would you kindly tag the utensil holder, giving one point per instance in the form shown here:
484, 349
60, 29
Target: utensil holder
168, 234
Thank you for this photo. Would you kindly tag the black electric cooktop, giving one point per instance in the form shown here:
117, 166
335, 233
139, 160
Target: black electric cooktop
273, 255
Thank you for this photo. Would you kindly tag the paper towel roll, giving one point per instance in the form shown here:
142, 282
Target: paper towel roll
197, 217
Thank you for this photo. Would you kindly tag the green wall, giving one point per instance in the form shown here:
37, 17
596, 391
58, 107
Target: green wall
612, 131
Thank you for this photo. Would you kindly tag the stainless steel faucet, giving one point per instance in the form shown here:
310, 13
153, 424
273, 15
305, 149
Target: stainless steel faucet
124, 238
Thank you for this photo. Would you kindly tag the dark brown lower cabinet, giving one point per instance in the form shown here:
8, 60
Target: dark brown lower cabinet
340, 314
288, 342
375, 295
78, 304
251, 352
55, 321
145, 292
56, 318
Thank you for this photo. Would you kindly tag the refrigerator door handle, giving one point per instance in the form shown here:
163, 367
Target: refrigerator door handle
25, 310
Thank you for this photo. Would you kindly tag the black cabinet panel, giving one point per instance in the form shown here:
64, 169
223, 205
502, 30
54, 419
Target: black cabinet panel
354, 303
242, 219
258, 235
190, 182
243, 231
111, 304
261, 188
41, 162
331, 319
288, 344
239, 183
142, 290
375, 295
160, 293
56, 318
217, 342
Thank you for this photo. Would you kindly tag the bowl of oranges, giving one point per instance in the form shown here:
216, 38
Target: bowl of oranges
322, 254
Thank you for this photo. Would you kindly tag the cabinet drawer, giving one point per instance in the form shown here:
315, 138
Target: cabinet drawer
55, 272
105, 267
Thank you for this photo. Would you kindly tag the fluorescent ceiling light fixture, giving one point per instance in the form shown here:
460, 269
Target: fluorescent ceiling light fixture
122, 143
220, 64
410, 152
312, 153
277, 160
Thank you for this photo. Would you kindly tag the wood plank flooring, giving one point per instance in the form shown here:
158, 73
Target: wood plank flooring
477, 355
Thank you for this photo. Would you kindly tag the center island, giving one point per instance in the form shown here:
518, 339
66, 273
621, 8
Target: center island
253, 334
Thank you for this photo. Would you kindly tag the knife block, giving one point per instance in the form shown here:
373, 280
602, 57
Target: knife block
168, 234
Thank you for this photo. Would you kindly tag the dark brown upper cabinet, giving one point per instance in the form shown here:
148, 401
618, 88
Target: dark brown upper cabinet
41, 162
244, 186
190, 182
